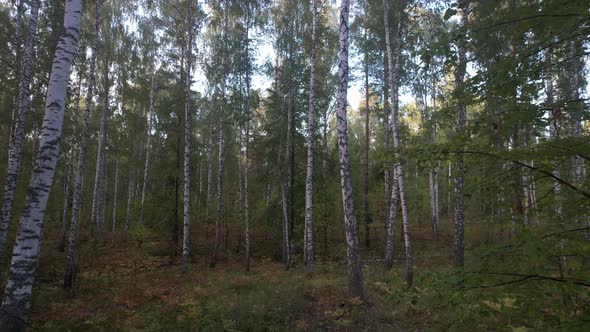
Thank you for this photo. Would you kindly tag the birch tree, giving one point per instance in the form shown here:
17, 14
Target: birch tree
355, 273
97, 216
393, 80
459, 247
77, 204
187, 142
308, 236
18, 134
16, 303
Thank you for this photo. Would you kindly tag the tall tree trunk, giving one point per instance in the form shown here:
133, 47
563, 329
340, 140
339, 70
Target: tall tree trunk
284, 203
433, 174
554, 125
17, 299
399, 172
247, 171
240, 190
390, 224
96, 218
355, 273
19, 41
459, 247
308, 231
146, 167
18, 134
130, 187
115, 200
77, 204
187, 144
247, 148
367, 218
221, 144
67, 204
386, 135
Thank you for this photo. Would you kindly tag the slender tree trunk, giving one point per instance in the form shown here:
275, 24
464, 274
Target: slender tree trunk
187, 144
553, 130
355, 273
246, 179
147, 151
115, 200
399, 172
284, 201
308, 231
459, 247
129, 199
219, 188
96, 216
240, 190
433, 174
77, 204
247, 149
18, 134
386, 135
16, 304
67, 205
221, 145
390, 225
367, 218
19, 45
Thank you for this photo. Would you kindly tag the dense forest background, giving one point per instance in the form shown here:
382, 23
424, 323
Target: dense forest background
284, 165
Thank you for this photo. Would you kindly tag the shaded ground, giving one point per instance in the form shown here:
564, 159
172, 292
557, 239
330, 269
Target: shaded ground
145, 289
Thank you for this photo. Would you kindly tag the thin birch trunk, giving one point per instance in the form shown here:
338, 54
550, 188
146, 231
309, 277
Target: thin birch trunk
115, 200
16, 304
459, 247
146, 167
240, 190
355, 273
399, 170
284, 203
187, 145
77, 204
67, 205
96, 216
130, 187
247, 165
433, 174
308, 228
221, 145
367, 219
18, 134
247, 149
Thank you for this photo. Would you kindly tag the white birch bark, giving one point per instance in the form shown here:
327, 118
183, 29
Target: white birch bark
355, 273
115, 200
130, 187
77, 204
308, 228
399, 172
97, 216
147, 148
16, 303
67, 205
221, 145
18, 134
187, 146
433, 174
459, 247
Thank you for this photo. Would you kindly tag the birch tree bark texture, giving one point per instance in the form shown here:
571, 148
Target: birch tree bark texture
18, 134
355, 273
77, 203
16, 303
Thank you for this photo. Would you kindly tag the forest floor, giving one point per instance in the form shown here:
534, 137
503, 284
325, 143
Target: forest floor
144, 288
